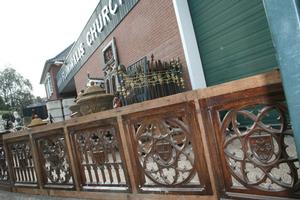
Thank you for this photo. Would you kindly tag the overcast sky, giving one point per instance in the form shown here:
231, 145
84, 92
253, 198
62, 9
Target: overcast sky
33, 31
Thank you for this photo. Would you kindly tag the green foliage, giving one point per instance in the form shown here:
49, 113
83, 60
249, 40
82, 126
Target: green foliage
39, 100
8, 116
3, 105
3, 112
15, 90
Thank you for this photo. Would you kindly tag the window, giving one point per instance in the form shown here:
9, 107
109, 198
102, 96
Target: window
107, 86
109, 53
114, 87
49, 86
98, 82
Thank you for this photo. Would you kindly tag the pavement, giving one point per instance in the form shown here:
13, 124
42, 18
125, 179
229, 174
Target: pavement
18, 196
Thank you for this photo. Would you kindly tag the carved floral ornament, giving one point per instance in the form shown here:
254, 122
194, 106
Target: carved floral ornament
259, 148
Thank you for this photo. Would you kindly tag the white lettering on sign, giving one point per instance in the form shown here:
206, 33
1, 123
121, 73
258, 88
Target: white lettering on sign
76, 57
103, 19
99, 24
78, 54
105, 16
112, 9
96, 30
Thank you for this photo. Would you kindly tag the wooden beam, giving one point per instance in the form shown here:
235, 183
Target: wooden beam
70, 153
129, 165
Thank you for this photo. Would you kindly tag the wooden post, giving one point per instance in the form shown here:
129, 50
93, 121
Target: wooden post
209, 146
36, 162
9, 166
72, 161
126, 144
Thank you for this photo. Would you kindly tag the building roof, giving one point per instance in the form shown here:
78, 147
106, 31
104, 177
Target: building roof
60, 58
36, 105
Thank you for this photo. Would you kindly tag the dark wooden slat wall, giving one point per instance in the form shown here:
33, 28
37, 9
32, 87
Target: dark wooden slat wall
233, 38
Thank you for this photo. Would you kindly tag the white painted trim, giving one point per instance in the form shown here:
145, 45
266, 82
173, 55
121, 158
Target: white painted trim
189, 43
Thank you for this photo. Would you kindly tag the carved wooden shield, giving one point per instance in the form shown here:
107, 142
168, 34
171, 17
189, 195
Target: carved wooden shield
262, 147
99, 157
164, 150
22, 162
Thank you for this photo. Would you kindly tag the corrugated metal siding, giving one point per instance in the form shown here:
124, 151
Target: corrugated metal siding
233, 38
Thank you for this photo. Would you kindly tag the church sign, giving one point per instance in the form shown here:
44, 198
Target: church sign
106, 17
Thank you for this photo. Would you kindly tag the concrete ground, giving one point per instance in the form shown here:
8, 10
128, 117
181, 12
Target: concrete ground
18, 196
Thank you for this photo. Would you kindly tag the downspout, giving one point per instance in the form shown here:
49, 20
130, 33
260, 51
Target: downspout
283, 19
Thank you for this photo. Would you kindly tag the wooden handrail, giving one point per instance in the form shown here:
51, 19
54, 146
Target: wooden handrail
260, 80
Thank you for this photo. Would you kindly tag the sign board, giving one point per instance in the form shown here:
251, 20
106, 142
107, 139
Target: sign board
107, 15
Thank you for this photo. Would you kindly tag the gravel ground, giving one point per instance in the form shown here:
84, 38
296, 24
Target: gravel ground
18, 196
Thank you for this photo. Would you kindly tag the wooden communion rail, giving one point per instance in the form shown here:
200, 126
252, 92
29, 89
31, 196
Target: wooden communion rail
228, 141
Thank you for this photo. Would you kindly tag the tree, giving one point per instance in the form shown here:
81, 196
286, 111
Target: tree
15, 90
3, 105
39, 100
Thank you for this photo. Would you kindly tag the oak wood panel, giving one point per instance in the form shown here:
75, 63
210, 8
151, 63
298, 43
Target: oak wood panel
261, 142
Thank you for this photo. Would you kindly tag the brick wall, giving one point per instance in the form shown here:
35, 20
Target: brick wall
149, 28
53, 72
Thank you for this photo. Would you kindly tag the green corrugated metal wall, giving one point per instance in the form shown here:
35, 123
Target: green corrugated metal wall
233, 38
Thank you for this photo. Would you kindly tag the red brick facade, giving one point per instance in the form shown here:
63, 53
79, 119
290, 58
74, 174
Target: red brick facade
149, 28
53, 72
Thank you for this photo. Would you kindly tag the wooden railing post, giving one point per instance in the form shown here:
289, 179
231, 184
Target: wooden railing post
126, 145
210, 146
9, 166
72, 161
36, 162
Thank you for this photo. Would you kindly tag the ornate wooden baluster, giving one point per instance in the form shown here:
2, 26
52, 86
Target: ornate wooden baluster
87, 165
95, 162
26, 167
116, 165
18, 168
109, 167
107, 163
103, 172
28, 171
31, 168
21, 166
79, 141
117, 169
16, 165
95, 168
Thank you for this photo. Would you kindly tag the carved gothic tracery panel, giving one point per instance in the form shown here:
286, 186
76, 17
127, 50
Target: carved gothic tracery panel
22, 162
100, 159
55, 163
165, 153
259, 148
